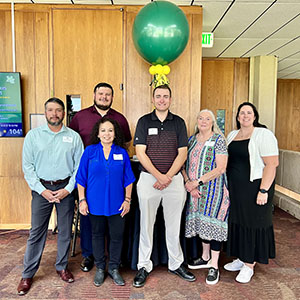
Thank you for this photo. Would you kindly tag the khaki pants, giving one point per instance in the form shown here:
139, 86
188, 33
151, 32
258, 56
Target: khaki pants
173, 199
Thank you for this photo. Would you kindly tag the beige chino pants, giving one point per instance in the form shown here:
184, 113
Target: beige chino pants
173, 199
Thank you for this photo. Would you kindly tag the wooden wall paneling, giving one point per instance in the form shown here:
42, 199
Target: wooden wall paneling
180, 80
5, 40
42, 66
218, 87
295, 132
15, 194
137, 92
86, 52
241, 85
25, 61
284, 106
288, 114
196, 74
15, 203
11, 151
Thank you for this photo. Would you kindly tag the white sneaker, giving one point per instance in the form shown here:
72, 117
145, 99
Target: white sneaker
245, 274
235, 265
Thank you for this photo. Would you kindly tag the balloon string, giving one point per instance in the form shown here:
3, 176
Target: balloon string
152, 81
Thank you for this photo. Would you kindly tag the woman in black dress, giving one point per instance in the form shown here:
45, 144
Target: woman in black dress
251, 169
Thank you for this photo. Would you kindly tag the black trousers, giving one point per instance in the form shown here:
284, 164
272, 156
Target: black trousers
116, 226
214, 245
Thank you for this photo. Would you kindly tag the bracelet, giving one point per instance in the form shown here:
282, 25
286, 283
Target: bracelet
127, 201
128, 198
83, 199
186, 180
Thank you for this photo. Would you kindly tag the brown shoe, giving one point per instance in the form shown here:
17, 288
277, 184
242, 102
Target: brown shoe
24, 286
65, 275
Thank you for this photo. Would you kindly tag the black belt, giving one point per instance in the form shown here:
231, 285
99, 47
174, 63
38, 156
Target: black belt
56, 182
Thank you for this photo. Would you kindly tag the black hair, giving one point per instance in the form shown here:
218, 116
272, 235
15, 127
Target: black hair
55, 100
104, 84
255, 123
119, 139
165, 87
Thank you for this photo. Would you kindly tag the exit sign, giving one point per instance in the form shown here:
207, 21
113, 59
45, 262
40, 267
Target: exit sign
207, 39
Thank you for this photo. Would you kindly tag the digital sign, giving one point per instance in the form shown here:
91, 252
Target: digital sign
10, 105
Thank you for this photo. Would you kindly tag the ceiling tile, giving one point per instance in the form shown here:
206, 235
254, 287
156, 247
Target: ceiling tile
212, 12
219, 45
238, 18
286, 75
53, 1
267, 46
239, 47
278, 15
131, 2
289, 50
103, 2
16, 1
289, 65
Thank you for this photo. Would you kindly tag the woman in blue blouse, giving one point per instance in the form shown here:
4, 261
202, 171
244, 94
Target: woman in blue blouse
104, 181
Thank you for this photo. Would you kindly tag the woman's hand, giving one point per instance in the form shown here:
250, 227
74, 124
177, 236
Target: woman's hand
125, 207
83, 208
261, 199
191, 185
195, 193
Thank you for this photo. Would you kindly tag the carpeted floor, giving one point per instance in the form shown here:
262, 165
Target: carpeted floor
278, 280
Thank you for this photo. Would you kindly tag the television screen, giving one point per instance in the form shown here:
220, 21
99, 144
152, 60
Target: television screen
10, 105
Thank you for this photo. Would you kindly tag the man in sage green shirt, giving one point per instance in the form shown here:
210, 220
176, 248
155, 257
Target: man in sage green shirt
51, 156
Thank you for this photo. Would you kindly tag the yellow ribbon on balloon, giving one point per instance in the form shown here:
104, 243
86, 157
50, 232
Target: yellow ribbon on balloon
159, 72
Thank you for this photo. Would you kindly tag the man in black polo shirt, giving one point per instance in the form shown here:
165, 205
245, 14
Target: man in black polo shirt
161, 147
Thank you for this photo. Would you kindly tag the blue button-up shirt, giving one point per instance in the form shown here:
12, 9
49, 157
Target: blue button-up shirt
51, 156
104, 180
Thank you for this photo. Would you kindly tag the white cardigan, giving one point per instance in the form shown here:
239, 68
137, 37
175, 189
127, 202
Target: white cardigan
262, 143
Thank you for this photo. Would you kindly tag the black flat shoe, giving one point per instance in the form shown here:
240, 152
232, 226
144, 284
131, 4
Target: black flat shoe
140, 278
87, 264
116, 277
183, 273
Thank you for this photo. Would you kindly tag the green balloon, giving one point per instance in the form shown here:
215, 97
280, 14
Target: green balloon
160, 32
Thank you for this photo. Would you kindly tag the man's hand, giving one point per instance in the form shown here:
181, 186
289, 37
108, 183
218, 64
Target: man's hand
162, 182
159, 186
50, 196
60, 194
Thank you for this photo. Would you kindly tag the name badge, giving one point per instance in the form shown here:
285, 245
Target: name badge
118, 156
152, 131
209, 143
67, 139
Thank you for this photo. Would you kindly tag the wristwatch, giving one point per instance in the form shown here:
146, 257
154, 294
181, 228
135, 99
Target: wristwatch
263, 191
200, 182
